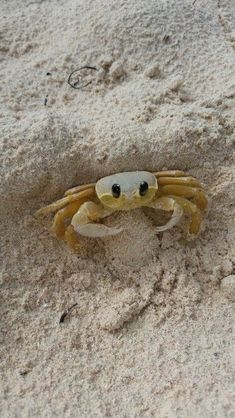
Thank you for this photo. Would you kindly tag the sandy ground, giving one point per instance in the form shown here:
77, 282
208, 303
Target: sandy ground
152, 333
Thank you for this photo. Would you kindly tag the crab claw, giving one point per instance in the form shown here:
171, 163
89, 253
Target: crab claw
175, 218
96, 230
88, 213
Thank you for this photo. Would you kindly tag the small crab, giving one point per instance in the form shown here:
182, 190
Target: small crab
81, 208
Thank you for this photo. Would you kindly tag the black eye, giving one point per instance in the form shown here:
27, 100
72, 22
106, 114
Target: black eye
143, 188
116, 190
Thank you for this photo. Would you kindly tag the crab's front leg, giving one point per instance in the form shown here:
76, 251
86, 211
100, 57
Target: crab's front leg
89, 212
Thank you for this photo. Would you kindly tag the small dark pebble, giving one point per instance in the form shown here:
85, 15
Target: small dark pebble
45, 100
24, 372
66, 312
166, 39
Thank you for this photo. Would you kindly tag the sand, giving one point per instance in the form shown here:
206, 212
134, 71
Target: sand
152, 334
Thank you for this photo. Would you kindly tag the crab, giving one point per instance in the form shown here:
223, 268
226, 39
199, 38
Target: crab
82, 206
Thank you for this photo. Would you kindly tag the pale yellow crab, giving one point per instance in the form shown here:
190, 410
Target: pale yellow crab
81, 208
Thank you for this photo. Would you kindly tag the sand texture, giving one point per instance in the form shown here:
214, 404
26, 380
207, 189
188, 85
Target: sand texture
152, 334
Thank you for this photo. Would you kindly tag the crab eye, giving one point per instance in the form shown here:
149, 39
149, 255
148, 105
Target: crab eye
143, 188
116, 190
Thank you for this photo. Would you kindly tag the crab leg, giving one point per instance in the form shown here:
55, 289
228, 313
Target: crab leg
186, 191
72, 238
178, 205
183, 181
59, 204
192, 210
79, 189
168, 204
88, 213
170, 173
59, 223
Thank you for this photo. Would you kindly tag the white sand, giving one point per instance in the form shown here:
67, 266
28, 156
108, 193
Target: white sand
152, 334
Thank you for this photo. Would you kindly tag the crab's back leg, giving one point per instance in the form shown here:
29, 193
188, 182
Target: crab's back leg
198, 195
59, 223
90, 212
193, 211
182, 181
77, 189
71, 238
59, 204
170, 173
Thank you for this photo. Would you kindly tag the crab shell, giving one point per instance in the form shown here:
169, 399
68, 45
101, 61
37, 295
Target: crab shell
129, 183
